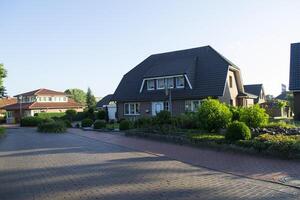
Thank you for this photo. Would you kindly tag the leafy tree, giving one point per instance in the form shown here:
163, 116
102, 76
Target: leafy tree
90, 99
3, 74
213, 115
77, 94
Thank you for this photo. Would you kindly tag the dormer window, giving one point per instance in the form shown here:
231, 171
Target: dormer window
150, 85
160, 83
180, 82
170, 82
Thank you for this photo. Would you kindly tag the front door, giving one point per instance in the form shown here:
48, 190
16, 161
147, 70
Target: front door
157, 107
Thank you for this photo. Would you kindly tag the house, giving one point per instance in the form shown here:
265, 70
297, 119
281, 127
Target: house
257, 90
5, 102
108, 105
294, 85
177, 81
37, 101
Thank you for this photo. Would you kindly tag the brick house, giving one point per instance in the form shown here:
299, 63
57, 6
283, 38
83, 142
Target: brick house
37, 101
178, 81
294, 85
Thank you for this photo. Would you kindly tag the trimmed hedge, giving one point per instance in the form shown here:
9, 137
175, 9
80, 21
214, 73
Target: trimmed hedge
237, 131
45, 115
99, 124
101, 114
52, 127
70, 114
31, 121
87, 122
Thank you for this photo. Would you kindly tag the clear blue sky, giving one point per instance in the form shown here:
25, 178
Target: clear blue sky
61, 44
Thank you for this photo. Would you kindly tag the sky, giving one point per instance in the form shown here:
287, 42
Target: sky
62, 44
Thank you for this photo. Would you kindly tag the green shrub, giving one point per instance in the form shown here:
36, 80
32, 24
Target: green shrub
31, 121
45, 115
2, 131
196, 138
163, 117
87, 122
236, 113
213, 115
77, 125
188, 121
125, 125
99, 124
52, 127
143, 122
237, 131
254, 116
71, 115
80, 116
101, 114
67, 123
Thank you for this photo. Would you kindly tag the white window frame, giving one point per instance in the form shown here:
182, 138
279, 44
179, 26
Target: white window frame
176, 81
157, 84
192, 105
135, 110
150, 88
167, 82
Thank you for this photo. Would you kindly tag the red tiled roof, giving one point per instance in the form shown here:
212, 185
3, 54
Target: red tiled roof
40, 92
44, 105
7, 101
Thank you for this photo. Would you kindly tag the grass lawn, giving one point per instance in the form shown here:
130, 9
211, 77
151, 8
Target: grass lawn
2, 131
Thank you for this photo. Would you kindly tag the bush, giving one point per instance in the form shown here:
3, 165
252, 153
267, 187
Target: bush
99, 124
237, 131
200, 138
236, 112
188, 121
45, 115
52, 127
163, 117
213, 115
125, 125
143, 122
101, 114
71, 115
254, 116
67, 123
30, 121
87, 122
80, 116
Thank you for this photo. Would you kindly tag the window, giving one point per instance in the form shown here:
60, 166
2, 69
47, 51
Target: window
180, 82
160, 83
65, 99
49, 98
231, 102
131, 109
44, 99
170, 82
150, 85
230, 81
166, 105
192, 105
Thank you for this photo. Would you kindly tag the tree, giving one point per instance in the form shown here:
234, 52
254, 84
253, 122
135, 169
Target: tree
90, 99
3, 74
77, 94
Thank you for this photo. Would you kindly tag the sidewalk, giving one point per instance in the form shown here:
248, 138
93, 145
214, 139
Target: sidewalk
285, 172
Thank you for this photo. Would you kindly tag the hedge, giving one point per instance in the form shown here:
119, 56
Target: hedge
87, 122
52, 127
31, 121
99, 124
45, 115
238, 131
2, 131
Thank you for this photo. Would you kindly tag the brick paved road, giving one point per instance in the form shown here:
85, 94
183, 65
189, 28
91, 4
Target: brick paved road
68, 166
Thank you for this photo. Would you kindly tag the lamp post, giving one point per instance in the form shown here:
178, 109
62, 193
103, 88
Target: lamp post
20, 101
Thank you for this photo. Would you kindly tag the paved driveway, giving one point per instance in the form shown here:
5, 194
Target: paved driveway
69, 166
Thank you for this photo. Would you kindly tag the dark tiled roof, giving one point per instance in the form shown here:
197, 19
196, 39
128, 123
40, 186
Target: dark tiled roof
295, 67
282, 96
104, 101
253, 89
205, 68
40, 92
